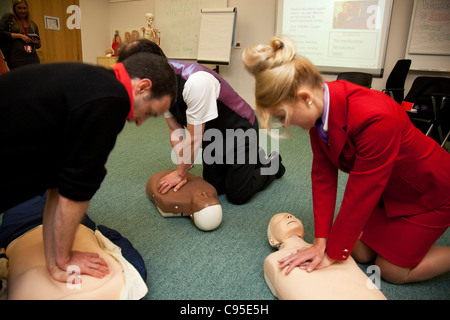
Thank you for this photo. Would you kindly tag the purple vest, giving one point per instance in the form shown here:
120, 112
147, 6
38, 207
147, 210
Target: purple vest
227, 95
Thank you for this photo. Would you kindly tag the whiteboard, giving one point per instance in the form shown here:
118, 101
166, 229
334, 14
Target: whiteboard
217, 35
429, 36
179, 23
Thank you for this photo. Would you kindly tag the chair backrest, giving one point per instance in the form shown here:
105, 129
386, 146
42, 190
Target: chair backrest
395, 84
361, 78
424, 87
433, 92
397, 77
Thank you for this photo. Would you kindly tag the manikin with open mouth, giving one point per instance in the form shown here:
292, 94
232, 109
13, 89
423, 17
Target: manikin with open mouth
343, 280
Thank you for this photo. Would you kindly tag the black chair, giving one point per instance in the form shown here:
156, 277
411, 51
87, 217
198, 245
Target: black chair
395, 84
431, 110
361, 78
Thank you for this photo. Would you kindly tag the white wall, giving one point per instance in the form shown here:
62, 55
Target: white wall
95, 37
256, 24
100, 18
130, 15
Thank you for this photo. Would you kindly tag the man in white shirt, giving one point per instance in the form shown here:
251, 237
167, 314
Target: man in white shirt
221, 122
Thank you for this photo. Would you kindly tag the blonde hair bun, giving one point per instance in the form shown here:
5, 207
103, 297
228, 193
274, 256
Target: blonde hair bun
262, 57
279, 72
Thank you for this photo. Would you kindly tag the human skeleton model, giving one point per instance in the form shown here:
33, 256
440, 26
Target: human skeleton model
343, 280
149, 32
197, 199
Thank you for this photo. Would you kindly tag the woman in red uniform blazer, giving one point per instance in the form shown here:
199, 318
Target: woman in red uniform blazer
397, 199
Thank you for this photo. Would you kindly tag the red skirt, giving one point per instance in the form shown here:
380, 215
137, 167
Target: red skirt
405, 240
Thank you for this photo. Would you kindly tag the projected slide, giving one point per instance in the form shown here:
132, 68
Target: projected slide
338, 35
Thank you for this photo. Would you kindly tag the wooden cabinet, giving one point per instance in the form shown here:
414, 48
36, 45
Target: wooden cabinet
106, 62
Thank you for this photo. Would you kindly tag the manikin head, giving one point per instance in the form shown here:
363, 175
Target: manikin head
208, 218
283, 226
197, 198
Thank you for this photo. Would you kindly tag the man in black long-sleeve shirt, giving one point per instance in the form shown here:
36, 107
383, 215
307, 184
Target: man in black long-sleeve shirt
58, 124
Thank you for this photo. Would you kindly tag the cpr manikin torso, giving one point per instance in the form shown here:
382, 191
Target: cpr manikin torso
343, 280
29, 278
197, 199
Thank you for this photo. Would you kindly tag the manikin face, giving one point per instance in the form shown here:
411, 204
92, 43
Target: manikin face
282, 226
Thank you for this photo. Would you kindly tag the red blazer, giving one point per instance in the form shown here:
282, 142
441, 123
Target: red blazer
372, 139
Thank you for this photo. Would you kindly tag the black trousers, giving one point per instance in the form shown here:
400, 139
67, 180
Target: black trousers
236, 168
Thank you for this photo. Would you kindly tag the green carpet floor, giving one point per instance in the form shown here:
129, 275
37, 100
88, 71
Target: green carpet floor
227, 263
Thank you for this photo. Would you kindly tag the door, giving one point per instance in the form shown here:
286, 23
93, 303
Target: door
59, 43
